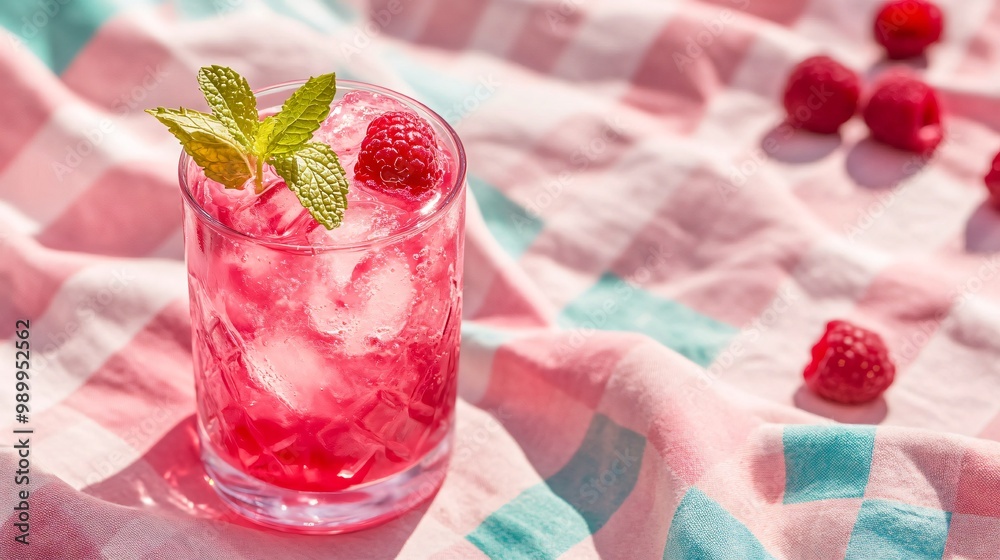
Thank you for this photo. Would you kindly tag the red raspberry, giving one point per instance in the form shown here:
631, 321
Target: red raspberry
849, 364
993, 182
907, 27
397, 155
821, 94
903, 112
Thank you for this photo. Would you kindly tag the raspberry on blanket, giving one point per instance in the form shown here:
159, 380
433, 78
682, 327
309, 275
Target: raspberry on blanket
850, 365
992, 180
821, 94
905, 28
904, 112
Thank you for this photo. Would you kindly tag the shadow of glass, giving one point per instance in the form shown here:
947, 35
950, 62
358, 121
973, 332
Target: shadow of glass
874, 165
982, 231
169, 479
869, 413
789, 144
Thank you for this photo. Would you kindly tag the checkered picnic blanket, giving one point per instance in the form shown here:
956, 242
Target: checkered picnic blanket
650, 256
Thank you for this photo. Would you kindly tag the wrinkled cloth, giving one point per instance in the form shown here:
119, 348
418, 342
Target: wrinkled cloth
651, 255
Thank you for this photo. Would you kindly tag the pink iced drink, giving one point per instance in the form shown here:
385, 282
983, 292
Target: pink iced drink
325, 360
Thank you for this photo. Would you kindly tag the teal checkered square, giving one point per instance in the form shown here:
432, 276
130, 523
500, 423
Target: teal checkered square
888, 529
546, 520
614, 304
512, 226
702, 528
824, 462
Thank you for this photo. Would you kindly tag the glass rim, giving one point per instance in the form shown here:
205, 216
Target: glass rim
454, 188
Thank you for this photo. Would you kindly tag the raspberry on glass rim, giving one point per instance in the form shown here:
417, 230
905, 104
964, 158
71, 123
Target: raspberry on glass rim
397, 155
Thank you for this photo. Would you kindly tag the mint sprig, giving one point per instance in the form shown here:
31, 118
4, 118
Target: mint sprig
315, 175
232, 102
232, 144
301, 115
208, 143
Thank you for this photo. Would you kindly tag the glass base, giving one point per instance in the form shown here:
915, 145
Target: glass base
325, 513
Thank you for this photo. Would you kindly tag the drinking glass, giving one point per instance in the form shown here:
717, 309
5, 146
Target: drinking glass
325, 372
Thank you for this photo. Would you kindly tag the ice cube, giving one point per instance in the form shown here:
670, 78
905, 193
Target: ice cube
248, 288
276, 213
383, 413
348, 121
236, 432
374, 306
288, 368
364, 220
349, 450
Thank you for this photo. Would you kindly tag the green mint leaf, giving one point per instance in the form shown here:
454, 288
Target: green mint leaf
209, 143
316, 177
232, 102
263, 135
232, 143
301, 115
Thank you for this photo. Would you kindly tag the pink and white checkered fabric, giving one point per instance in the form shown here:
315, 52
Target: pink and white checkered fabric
650, 257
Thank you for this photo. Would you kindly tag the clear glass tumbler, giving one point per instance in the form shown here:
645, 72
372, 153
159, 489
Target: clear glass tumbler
325, 366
